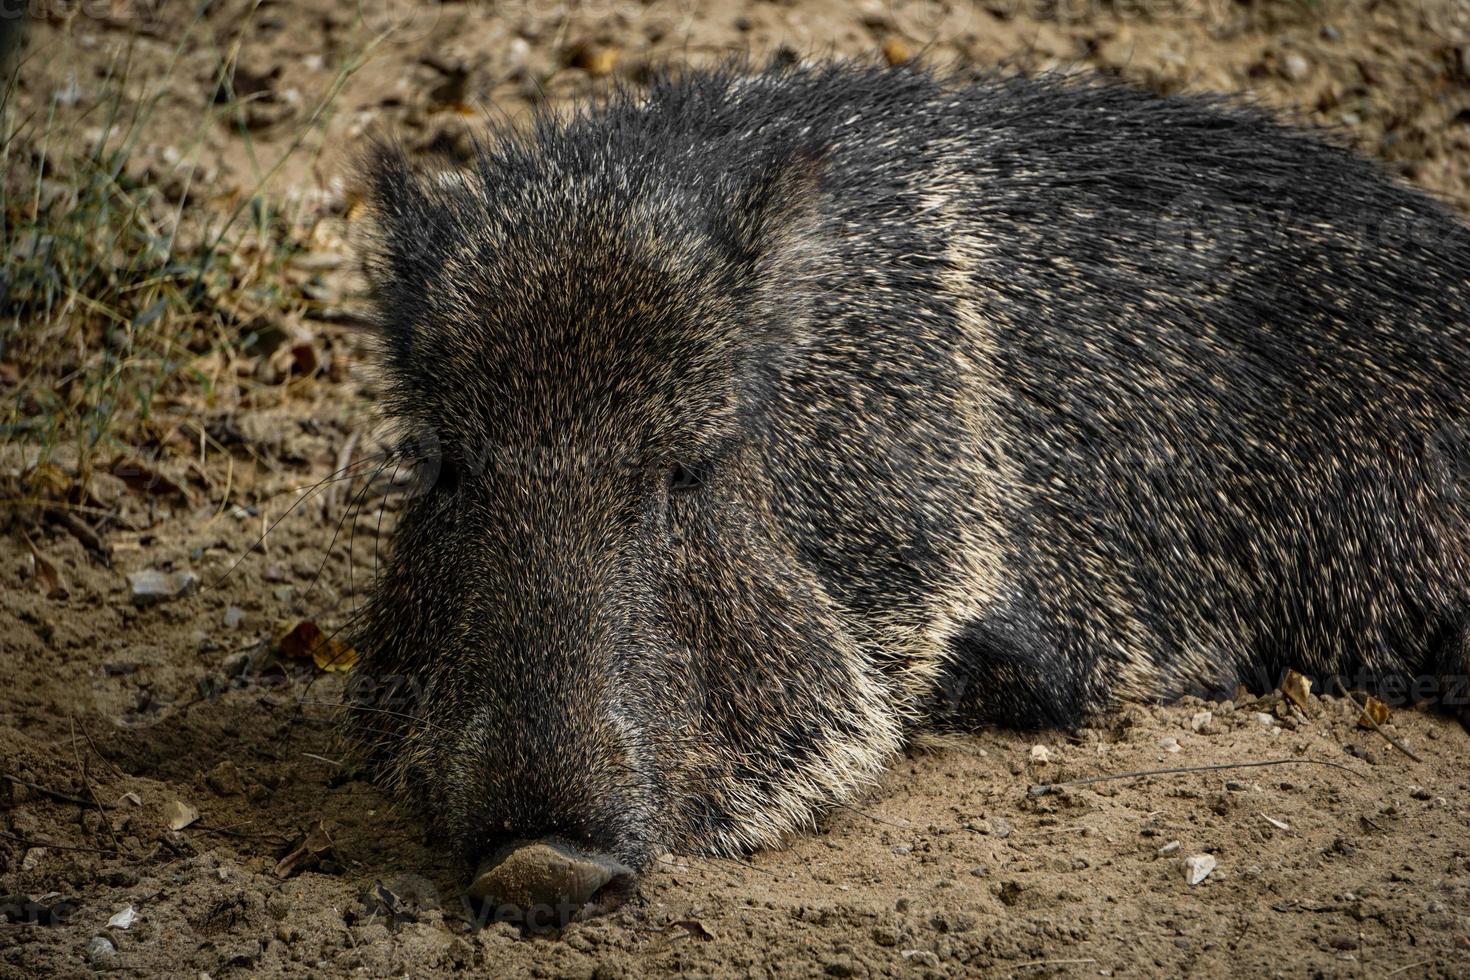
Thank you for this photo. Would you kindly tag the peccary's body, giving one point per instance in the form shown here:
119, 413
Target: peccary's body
784, 415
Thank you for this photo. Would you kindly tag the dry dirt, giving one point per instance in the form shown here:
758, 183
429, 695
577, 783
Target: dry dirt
111, 715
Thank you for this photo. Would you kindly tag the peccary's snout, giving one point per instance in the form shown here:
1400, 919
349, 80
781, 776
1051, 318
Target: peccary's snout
547, 883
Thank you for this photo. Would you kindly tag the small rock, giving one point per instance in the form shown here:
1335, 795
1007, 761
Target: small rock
952, 922
1197, 867
920, 957
32, 858
1264, 719
225, 779
236, 664
1040, 753
1001, 827
151, 587
1169, 848
1169, 743
1203, 723
234, 616
123, 919
902, 849
69, 93
1420, 793
1295, 67
101, 953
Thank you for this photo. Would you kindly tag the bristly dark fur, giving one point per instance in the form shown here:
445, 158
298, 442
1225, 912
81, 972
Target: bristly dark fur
784, 413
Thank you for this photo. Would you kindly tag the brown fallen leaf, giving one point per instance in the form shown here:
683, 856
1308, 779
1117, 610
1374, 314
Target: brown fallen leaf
596, 60
1297, 689
306, 640
896, 51
695, 928
1374, 714
48, 576
178, 815
308, 854
143, 477
48, 480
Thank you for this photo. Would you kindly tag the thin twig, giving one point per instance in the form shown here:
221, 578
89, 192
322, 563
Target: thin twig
1042, 789
54, 846
1363, 713
85, 766
47, 791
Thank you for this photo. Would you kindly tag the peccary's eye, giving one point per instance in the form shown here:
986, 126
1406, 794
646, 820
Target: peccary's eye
448, 478
683, 478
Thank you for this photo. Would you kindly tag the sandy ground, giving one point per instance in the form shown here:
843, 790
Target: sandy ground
118, 722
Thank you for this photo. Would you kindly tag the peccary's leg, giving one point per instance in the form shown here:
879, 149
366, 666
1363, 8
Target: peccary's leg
1004, 670
1454, 669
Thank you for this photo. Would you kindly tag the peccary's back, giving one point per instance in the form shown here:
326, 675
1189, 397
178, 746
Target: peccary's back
1156, 384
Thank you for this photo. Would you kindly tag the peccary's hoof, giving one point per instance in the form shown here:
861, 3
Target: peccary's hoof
549, 883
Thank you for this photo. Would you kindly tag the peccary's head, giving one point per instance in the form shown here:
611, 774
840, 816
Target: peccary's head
609, 637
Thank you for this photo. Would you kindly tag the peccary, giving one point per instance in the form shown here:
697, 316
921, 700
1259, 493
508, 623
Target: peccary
776, 416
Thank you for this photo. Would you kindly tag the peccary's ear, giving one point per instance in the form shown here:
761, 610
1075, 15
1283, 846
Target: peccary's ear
412, 219
776, 207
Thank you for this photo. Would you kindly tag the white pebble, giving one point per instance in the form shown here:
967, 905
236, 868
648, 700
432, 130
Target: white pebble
1197, 867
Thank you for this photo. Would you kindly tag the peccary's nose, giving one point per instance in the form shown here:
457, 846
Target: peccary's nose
549, 882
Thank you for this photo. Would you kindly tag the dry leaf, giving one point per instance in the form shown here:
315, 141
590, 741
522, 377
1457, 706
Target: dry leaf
695, 928
334, 658
48, 480
1375, 713
142, 477
1297, 689
306, 640
595, 59
48, 576
896, 51
308, 854
179, 815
